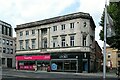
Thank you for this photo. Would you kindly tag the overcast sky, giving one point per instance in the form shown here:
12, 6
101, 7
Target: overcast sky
17, 12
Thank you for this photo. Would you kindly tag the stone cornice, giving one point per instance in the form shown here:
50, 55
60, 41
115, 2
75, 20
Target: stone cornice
55, 19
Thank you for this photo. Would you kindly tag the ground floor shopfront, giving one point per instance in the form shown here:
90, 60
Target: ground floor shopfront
73, 62
62, 62
41, 62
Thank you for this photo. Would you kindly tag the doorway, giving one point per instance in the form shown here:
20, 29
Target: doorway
9, 62
85, 66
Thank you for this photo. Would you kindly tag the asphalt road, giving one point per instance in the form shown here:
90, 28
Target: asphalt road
9, 74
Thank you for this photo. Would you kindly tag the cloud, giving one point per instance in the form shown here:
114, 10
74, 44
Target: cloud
17, 12
95, 8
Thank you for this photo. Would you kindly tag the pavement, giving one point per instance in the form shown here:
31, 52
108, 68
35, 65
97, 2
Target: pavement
98, 74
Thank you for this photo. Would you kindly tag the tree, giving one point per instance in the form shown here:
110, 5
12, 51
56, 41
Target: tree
114, 11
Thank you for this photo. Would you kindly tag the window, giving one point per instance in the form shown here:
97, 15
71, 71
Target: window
7, 42
4, 50
2, 29
0, 49
0, 40
54, 41
3, 41
10, 31
54, 28
71, 40
33, 43
7, 31
27, 44
119, 63
63, 27
11, 43
11, 51
7, 51
118, 55
71, 25
27, 33
84, 40
85, 24
109, 54
45, 43
63, 41
3, 61
33, 32
21, 44
21, 33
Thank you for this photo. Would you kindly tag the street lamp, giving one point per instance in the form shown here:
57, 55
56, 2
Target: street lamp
76, 64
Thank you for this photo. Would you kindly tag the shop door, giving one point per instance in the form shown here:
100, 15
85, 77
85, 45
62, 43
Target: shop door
85, 66
9, 62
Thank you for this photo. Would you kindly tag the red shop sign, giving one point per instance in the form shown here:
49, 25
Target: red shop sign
41, 57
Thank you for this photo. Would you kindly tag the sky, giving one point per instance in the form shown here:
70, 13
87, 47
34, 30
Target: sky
16, 12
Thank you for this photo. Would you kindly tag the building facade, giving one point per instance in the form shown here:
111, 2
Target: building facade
7, 47
66, 43
112, 58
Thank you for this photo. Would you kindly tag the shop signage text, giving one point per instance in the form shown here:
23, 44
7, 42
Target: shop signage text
41, 57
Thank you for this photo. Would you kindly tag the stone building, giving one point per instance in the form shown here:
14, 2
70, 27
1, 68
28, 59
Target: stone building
66, 43
7, 47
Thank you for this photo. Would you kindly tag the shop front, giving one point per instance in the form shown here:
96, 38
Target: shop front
41, 62
70, 62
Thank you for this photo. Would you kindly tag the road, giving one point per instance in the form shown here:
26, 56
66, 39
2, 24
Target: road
10, 74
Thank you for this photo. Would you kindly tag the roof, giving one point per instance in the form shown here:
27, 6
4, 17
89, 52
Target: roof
5, 23
56, 19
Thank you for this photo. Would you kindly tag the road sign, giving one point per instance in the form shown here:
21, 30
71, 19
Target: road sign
54, 66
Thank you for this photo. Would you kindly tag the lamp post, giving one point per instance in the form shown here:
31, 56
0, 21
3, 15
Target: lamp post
76, 64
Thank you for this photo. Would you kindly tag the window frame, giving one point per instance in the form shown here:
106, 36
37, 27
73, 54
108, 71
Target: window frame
63, 41
72, 40
72, 25
54, 28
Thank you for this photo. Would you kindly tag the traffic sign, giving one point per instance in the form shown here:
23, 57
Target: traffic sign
54, 66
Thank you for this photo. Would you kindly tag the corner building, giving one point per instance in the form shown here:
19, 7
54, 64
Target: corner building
7, 47
67, 41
